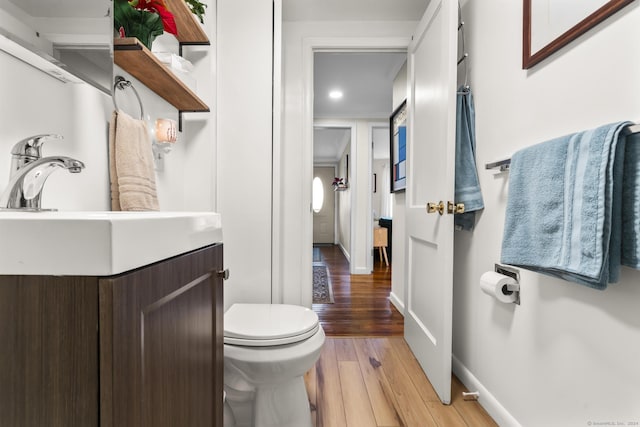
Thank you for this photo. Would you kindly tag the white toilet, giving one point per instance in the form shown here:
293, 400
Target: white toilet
267, 350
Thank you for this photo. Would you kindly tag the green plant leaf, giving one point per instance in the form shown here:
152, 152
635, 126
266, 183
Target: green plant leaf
197, 8
142, 24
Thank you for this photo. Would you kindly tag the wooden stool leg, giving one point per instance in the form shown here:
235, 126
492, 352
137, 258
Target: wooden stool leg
386, 260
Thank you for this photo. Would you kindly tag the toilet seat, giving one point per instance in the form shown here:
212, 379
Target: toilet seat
262, 325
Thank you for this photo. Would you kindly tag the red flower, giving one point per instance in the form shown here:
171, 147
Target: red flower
158, 6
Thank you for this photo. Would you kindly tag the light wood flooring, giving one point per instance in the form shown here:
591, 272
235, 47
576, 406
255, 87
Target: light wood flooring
366, 375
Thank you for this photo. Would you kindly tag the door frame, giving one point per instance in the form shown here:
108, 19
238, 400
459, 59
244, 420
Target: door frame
372, 125
310, 46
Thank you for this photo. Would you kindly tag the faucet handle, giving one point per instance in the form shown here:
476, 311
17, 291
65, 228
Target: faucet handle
30, 147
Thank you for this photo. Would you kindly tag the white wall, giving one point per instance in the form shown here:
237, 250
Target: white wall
244, 138
568, 355
295, 191
376, 198
80, 113
35, 103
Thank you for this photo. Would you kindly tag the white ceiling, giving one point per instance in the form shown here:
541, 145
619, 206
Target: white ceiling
353, 10
329, 144
64, 8
366, 80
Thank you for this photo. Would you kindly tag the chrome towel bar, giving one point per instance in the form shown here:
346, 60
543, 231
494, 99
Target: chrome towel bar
503, 165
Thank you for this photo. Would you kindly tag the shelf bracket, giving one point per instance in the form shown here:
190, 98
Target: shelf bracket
191, 44
181, 112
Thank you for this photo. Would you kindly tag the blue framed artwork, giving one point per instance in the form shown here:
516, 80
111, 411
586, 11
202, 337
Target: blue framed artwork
398, 149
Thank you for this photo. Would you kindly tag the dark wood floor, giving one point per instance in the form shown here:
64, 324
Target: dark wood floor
362, 306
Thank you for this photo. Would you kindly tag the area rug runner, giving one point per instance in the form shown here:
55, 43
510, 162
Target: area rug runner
322, 292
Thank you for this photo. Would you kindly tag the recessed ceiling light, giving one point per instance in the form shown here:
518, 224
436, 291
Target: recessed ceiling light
335, 94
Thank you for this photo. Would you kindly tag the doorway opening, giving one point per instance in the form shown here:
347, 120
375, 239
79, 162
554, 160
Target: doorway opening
353, 98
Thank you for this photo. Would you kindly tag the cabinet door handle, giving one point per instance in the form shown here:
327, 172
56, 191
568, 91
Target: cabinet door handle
224, 274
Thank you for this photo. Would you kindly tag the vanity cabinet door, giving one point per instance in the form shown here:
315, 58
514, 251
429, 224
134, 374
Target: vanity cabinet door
48, 351
161, 343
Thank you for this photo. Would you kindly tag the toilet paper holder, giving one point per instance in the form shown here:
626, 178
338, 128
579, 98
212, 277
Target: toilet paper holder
510, 288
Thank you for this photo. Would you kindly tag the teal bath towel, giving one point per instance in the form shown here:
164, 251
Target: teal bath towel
467, 187
564, 212
631, 203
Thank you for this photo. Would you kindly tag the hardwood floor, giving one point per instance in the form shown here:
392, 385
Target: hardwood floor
366, 375
362, 306
370, 382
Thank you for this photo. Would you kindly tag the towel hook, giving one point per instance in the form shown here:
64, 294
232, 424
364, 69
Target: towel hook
122, 84
465, 54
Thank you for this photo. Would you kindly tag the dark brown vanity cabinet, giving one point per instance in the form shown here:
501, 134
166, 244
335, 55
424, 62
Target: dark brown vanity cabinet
143, 348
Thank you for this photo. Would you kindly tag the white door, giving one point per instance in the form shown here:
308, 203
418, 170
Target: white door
324, 219
430, 178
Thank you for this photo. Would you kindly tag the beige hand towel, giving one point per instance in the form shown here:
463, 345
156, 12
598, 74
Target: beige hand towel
133, 180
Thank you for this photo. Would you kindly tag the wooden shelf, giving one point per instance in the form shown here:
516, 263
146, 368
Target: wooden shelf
189, 29
133, 57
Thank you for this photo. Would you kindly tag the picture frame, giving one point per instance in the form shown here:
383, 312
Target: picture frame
398, 147
540, 39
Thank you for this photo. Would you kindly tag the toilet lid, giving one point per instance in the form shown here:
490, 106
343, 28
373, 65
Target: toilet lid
268, 324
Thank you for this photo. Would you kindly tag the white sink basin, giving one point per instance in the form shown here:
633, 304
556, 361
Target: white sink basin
99, 243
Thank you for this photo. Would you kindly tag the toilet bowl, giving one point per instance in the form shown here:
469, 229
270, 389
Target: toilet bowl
267, 350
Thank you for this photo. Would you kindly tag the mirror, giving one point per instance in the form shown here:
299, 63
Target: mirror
549, 25
70, 40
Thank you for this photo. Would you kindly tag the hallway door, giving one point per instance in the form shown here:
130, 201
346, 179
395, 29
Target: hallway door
324, 220
430, 178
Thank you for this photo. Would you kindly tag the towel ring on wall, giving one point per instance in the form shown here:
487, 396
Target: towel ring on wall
122, 83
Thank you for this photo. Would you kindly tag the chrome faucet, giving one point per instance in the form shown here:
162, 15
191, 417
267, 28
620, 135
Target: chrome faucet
29, 171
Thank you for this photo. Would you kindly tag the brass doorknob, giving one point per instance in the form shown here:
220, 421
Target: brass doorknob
457, 208
433, 207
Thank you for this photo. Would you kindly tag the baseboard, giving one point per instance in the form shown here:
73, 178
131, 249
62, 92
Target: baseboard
344, 251
488, 401
396, 302
361, 270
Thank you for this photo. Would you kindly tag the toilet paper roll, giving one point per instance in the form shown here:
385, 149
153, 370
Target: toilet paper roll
492, 283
